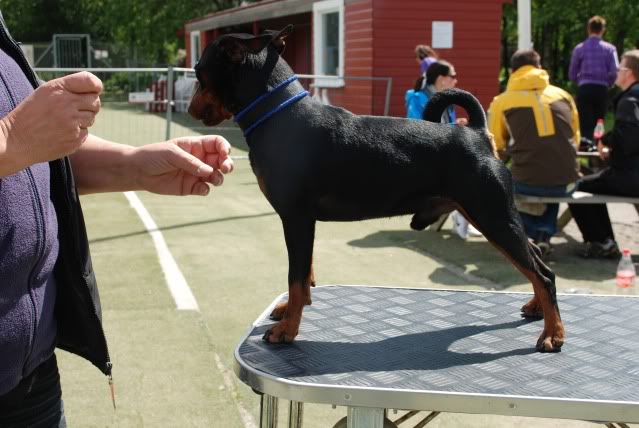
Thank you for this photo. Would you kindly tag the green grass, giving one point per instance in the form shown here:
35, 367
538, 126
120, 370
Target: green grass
231, 250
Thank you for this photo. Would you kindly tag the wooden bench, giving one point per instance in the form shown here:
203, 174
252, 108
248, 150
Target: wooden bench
566, 216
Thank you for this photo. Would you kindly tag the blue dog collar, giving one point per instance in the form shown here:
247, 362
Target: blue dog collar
266, 105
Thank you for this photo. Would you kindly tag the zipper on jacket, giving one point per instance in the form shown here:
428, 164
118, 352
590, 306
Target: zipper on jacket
541, 112
109, 364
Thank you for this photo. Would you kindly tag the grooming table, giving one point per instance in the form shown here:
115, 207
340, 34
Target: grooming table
376, 348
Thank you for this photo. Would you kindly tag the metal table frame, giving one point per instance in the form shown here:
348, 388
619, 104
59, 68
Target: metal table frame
367, 406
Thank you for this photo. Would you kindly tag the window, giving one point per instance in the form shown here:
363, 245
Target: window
195, 47
328, 41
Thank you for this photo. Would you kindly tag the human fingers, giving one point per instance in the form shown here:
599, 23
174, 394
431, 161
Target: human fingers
189, 163
85, 119
216, 144
81, 83
225, 165
88, 102
219, 153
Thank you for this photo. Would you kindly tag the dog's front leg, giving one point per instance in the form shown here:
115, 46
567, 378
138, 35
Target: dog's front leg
299, 233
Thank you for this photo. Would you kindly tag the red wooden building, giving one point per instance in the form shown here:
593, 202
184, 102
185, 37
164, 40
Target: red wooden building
371, 38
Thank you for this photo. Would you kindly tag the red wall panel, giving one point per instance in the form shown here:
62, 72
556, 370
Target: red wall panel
400, 26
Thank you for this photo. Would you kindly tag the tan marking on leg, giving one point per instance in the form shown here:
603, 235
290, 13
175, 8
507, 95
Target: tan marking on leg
553, 335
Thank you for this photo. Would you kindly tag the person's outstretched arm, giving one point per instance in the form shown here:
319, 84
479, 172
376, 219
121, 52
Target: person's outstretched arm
182, 166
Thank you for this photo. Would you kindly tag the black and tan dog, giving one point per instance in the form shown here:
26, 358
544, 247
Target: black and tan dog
315, 162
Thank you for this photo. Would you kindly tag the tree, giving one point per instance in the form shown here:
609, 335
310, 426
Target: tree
557, 27
147, 29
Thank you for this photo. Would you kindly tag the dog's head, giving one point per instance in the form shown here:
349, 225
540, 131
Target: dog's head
233, 70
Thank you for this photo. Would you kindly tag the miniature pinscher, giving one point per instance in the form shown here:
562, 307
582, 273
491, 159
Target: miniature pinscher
317, 162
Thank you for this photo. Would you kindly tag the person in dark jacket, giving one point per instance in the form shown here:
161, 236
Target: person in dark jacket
621, 147
48, 294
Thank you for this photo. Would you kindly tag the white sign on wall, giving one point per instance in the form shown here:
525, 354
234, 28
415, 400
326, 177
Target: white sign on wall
442, 34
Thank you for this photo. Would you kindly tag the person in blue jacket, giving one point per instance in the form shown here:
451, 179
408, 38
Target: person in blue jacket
439, 76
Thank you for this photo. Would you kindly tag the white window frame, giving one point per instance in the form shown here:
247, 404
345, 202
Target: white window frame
195, 53
320, 9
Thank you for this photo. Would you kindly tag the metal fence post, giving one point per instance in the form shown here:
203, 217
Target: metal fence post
169, 102
389, 87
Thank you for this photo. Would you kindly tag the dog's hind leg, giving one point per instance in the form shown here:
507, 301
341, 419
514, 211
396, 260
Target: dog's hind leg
495, 215
299, 234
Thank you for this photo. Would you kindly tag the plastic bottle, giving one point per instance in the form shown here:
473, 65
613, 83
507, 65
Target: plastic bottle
599, 130
626, 274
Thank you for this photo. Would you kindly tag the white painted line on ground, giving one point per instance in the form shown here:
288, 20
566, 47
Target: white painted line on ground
184, 299
245, 415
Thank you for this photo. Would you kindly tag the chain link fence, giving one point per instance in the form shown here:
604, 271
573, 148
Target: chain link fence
143, 105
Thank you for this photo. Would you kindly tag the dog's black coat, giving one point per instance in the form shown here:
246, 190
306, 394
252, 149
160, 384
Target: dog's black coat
322, 163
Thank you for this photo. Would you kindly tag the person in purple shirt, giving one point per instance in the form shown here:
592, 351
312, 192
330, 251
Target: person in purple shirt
593, 67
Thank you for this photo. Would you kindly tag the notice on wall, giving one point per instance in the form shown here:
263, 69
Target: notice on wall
442, 34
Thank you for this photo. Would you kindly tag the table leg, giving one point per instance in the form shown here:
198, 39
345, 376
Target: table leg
295, 414
564, 219
365, 417
268, 411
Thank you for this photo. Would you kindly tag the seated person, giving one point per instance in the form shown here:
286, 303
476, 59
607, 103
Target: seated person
621, 177
542, 124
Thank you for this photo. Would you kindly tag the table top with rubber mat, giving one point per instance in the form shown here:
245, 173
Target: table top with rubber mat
459, 351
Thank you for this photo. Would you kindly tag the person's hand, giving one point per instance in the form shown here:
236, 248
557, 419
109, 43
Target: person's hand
461, 121
183, 166
52, 122
604, 151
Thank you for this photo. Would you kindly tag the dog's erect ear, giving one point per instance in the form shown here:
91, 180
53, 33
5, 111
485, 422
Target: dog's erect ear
279, 36
237, 45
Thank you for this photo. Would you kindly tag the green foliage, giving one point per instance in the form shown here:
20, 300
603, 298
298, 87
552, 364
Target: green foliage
147, 28
557, 27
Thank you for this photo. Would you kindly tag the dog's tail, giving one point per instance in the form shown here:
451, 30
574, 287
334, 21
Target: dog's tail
441, 100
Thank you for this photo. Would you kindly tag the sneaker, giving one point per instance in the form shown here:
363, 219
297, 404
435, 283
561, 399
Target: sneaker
601, 250
460, 225
473, 232
543, 242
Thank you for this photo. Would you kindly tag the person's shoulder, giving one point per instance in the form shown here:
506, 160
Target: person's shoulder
497, 102
608, 46
559, 92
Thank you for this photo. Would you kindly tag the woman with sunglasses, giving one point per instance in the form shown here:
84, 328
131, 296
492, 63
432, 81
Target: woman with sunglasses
440, 76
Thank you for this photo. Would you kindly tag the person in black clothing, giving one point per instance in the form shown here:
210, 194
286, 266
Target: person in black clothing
621, 147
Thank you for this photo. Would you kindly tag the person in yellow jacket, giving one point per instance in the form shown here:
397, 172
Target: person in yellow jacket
536, 126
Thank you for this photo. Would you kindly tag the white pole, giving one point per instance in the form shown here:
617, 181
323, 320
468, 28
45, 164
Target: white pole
523, 24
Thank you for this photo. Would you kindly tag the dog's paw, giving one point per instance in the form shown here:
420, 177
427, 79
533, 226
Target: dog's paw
278, 313
532, 309
284, 331
550, 341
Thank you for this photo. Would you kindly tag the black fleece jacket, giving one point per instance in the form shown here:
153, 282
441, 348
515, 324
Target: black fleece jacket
623, 139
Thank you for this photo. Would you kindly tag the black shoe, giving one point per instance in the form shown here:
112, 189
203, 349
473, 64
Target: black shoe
601, 250
543, 242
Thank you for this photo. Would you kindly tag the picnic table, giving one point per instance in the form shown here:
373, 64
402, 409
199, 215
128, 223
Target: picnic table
377, 348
